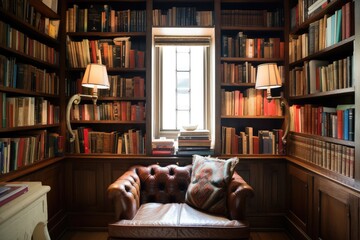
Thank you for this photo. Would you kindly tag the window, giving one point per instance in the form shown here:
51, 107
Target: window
183, 81
182, 85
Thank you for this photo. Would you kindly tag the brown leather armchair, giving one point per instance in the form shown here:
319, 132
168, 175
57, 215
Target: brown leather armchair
149, 203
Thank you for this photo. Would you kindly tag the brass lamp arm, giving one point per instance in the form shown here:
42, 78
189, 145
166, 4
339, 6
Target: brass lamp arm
76, 100
285, 107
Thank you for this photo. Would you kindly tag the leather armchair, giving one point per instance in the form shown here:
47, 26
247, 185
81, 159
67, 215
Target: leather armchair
168, 185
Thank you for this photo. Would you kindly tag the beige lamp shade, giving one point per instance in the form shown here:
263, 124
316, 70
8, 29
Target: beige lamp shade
96, 77
267, 76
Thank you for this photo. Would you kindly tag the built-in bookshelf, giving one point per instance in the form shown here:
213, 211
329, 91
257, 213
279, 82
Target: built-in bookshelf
321, 85
250, 34
113, 34
30, 129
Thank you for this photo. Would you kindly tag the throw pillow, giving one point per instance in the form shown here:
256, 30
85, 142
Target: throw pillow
208, 185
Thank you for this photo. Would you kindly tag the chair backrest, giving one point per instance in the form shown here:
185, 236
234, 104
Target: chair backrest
166, 184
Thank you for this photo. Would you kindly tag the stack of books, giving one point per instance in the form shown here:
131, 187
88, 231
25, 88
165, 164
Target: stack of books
10, 191
163, 146
194, 142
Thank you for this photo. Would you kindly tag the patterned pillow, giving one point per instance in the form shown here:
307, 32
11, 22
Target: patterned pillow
209, 179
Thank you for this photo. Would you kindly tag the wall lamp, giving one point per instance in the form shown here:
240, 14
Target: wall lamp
268, 77
95, 77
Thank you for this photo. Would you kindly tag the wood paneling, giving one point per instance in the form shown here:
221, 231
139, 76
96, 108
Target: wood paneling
300, 189
338, 211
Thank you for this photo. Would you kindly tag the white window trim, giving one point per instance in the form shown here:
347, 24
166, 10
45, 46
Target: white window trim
210, 107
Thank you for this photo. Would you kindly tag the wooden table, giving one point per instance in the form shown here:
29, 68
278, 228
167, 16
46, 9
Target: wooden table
26, 216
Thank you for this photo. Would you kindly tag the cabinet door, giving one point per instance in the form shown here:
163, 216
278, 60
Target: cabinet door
85, 186
300, 187
337, 215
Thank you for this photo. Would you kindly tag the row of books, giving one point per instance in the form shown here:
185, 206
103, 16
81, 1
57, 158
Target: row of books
331, 156
251, 102
322, 33
33, 146
123, 87
27, 77
246, 47
23, 10
18, 41
182, 16
117, 111
321, 76
250, 17
324, 121
27, 111
248, 142
235, 73
102, 18
114, 53
300, 12
89, 141
194, 142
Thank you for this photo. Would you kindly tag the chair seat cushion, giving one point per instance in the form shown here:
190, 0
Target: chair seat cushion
176, 221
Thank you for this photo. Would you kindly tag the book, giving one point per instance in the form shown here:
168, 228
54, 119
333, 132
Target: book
10, 191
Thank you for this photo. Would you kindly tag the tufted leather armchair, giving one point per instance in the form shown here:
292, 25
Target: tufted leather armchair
149, 202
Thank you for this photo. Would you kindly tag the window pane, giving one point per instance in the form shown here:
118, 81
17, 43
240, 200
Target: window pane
183, 61
182, 119
183, 101
183, 80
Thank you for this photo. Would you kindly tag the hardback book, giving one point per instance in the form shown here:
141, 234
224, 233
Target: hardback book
10, 191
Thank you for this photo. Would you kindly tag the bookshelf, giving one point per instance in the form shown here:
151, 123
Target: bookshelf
250, 34
119, 42
30, 87
322, 86
323, 154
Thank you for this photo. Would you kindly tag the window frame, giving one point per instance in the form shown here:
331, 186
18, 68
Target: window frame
183, 33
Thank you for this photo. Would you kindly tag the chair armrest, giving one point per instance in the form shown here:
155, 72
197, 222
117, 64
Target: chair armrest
238, 192
125, 195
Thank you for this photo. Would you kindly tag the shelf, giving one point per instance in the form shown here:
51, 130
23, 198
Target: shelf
252, 29
98, 35
331, 7
330, 175
43, 9
28, 128
25, 27
252, 1
113, 70
253, 117
27, 92
326, 139
101, 98
256, 60
238, 85
335, 50
29, 169
107, 1
99, 122
337, 92
28, 59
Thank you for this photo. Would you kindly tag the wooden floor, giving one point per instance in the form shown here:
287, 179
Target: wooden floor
103, 236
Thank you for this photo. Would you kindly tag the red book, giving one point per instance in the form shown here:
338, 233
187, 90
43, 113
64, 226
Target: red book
86, 140
340, 125
349, 19
140, 59
21, 152
10, 191
132, 54
255, 140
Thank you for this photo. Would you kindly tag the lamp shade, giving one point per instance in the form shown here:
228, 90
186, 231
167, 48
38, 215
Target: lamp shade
96, 77
267, 76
